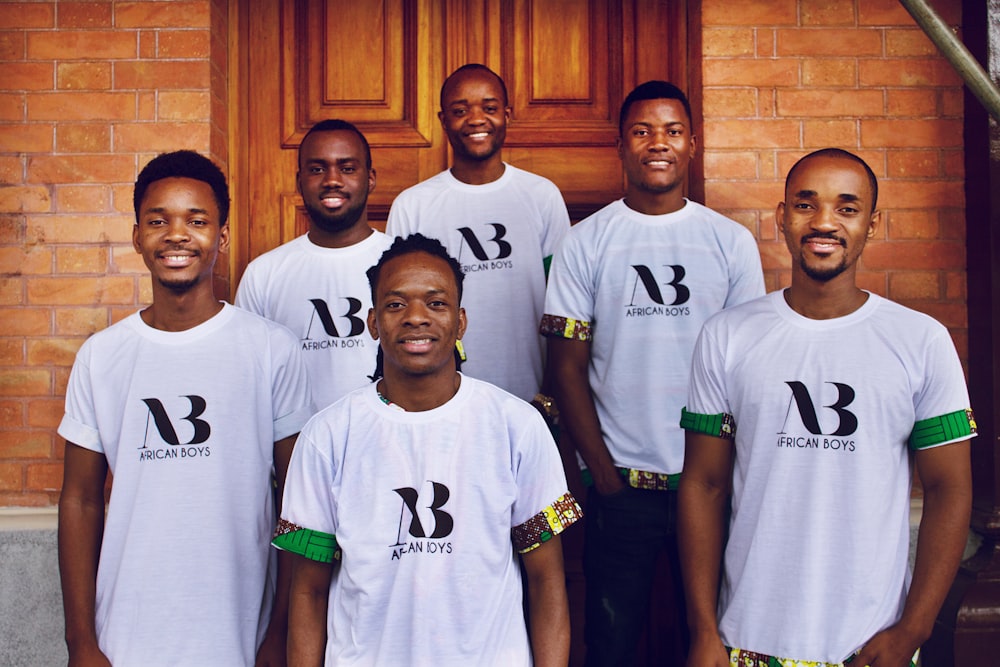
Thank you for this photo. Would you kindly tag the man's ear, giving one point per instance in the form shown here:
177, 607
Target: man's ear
875, 223
372, 326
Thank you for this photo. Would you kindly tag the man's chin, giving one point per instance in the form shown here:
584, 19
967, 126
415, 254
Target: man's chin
179, 286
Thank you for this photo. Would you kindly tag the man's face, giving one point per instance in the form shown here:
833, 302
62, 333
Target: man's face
416, 315
656, 145
178, 232
474, 115
827, 216
333, 179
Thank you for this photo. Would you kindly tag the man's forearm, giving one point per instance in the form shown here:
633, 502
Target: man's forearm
81, 528
307, 611
548, 608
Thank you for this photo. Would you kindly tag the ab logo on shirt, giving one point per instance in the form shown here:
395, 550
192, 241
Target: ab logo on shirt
168, 434
443, 522
651, 286
486, 260
847, 421
334, 338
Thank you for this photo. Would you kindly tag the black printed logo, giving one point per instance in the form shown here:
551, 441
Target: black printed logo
645, 277
848, 421
322, 312
165, 426
469, 238
443, 522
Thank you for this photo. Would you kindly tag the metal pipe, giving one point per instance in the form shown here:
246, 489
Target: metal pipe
951, 47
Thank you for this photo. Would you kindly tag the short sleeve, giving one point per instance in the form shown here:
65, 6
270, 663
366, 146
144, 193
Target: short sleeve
941, 406
708, 410
79, 422
746, 281
308, 518
570, 296
290, 393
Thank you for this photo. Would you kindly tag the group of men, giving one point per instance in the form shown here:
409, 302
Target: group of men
414, 502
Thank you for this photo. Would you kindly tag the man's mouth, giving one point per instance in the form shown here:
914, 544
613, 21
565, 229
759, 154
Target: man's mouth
822, 245
177, 259
333, 199
417, 345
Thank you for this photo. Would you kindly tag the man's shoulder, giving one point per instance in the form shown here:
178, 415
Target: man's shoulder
908, 321
278, 255
721, 223
525, 178
436, 183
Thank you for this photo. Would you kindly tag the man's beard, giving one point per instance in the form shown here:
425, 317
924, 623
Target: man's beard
337, 223
823, 275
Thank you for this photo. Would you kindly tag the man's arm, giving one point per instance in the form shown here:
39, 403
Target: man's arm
81, 528
947, 480
273, 649
570, 359
702, 496
310, 591
548, 609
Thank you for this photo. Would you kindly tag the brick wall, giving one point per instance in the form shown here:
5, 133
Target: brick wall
89, 92
783, 77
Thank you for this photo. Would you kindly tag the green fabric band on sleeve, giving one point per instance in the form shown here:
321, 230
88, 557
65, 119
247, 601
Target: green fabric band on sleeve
720, 425
547, 263
936, 430
314, 545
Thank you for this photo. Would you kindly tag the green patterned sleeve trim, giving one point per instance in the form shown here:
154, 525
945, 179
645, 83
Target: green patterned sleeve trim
548, 523
314, 545
564, 327
720, 425
937, 430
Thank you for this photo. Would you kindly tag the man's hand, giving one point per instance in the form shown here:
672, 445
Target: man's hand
707, 651
88, 655
893, 647
272, 650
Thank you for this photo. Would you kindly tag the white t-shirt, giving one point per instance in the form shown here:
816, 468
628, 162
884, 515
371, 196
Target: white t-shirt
639, 287
501, 233
423, 505
323, 296
825, 414
187, 421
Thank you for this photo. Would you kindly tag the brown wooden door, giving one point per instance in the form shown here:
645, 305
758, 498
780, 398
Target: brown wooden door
380, 64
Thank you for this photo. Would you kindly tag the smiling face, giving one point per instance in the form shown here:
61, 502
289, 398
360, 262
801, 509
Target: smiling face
178, 233
416, 316
334, 180
474, 115
827, 217
655, 148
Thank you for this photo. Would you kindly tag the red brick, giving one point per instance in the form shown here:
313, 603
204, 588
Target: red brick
81, 45
727, 42
81, 169
88, 259
11, 414
162, 14
83, 76
902, 133
32, 138
767, 41
84, 15
11, 293
26, 444
827, 12
80, 321
729, 102
145, 290
83, 198
913, 164
745, 72
743, 195
83, 138
68, 106
915, 255
30, 260
34, 382
912, 224
61, 377
911, 102
12, 45
723, 12
121, 199
22, 499
820, 42
952, 103
954, 163
164, 74
873, 281
914, 285
161, 136
53, 351
27, 15
774, 256
26, 76
124, 259
81, 291
892, 12
823, 133
182, 105
24, 198
740, 165
921, 194
147, 44
747, 134
11, 476
907, 72
85, 229
908, 43
828, 72
147, 105
11, 171
956, 286
11, 106
44, 477
26, 321
120, 313
827, 103
184, 43
11, 351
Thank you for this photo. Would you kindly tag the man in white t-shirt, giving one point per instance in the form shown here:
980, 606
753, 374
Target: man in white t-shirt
502, 224
193, 405
810, 406
425, 486
315, 284
628, 292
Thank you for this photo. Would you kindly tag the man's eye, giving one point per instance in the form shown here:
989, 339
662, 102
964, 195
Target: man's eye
315, 170
199, 222
640, 133
348, 170
490, 109
803, 205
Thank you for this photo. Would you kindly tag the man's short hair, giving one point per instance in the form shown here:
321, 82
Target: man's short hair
409, 245
334, 125
838, 153
468, 67
183, 164
652, 90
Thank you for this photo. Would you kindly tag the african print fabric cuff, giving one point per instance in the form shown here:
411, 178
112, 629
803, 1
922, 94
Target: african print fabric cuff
946, 428
721, 425
548, 523
554, 326
640, 479
314, 545
741, 658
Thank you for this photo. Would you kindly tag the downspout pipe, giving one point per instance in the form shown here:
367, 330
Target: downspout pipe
952, 48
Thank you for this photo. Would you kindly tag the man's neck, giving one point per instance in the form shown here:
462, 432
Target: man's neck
419, 393
179, 312
649, 203
478, 172
824, 300
356, 233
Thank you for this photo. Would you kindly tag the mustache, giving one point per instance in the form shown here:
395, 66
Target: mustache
824, 235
